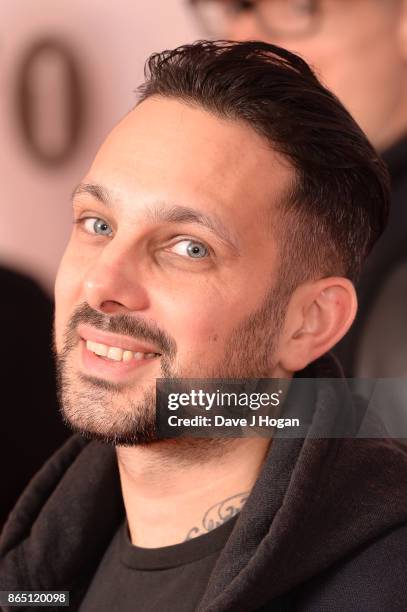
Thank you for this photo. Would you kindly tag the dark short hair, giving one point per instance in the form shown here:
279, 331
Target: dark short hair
339, 201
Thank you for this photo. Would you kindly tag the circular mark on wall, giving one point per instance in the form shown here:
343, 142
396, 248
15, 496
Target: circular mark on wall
50, 101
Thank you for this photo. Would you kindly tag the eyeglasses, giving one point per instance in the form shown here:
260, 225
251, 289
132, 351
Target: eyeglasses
287, 18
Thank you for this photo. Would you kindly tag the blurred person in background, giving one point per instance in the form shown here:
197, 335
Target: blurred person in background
359, 50
31, 426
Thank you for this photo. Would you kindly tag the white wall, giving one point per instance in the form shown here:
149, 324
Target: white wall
112, 38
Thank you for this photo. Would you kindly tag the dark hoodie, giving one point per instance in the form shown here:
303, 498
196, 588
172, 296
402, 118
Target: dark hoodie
324, 528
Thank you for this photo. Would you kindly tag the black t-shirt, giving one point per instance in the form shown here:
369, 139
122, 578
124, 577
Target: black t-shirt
167, 579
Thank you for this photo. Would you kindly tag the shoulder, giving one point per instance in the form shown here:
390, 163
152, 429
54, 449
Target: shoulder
38, 490
372, 579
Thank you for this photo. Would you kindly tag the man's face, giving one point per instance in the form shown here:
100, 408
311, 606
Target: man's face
171, 266
355, 46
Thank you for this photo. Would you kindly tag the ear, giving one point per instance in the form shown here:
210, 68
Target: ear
318, 315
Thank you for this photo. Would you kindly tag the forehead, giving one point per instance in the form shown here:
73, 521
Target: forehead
165, 150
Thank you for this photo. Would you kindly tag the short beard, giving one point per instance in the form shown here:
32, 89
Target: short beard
88, 404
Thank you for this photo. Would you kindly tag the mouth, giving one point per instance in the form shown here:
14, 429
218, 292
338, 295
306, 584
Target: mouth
111, 356
115, 353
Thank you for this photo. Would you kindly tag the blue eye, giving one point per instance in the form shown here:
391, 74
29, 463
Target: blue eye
191, 248
94, 225
196, 249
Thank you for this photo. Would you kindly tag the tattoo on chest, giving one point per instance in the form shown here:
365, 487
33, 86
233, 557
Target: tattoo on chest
218, 514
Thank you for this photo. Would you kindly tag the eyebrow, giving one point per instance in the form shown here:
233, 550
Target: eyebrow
164, 213
96, 191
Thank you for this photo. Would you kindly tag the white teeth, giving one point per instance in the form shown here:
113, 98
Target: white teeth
115, 353
100, 349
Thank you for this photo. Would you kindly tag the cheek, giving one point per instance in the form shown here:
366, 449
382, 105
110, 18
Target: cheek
351, 60
199, 319
67, 294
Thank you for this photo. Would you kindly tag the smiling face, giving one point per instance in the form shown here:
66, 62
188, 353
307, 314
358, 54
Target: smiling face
171, 268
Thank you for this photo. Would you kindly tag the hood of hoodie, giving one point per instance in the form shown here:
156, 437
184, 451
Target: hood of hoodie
315, 502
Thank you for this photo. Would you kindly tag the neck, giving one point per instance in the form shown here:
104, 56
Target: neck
176, 490
395, 126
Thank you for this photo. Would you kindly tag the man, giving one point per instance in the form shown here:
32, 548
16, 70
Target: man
359, 50
216, 235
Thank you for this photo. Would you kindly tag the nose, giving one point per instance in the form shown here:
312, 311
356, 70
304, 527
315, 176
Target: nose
113, 285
